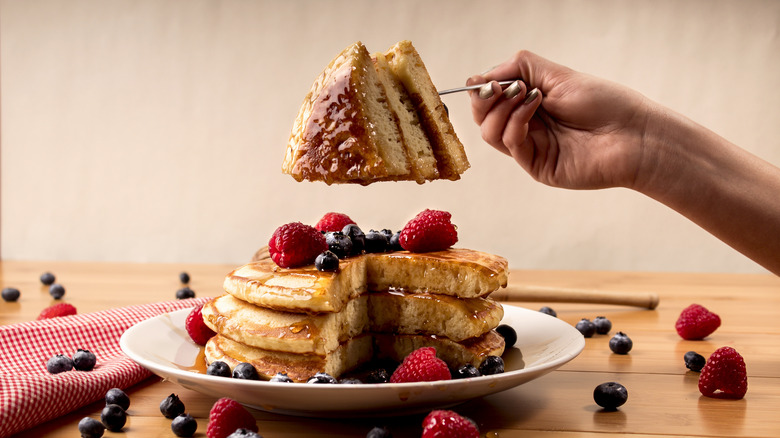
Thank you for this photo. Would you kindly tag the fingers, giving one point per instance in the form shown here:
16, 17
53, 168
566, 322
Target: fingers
515, 135
535, 71
495, 119
483, 98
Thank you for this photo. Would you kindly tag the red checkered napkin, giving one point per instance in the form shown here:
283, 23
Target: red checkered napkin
29, 395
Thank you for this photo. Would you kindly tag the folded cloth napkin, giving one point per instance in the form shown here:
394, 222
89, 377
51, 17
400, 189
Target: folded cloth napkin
29, 395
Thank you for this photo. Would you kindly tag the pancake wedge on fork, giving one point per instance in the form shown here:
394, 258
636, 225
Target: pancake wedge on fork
370, 118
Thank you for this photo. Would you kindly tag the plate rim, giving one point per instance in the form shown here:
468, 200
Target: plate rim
571, 351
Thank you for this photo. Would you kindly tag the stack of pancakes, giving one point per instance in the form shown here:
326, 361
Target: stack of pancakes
302, 321
374, 118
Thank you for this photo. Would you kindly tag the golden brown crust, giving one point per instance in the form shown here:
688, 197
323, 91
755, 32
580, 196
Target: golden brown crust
359, 123
330, 140
456, 271
353, 353
379, 312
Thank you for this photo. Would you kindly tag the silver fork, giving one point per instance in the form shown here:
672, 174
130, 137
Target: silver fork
472, 87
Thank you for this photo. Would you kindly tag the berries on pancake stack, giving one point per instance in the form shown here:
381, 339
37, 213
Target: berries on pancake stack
296, 244
430, 230
333, 222
199, 332
421, 365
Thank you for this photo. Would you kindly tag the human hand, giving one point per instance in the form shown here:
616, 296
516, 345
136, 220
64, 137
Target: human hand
579, 132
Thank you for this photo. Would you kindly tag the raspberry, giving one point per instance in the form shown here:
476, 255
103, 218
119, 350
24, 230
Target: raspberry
431, 230
296, 244
199, 332
696, 322
333, 222
448, 424
724, 375
57, 310
421, 365
226, 416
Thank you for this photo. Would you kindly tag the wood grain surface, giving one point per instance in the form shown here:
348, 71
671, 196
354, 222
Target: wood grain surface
663, 395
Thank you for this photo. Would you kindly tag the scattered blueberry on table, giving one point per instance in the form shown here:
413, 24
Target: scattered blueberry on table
620, 343
610, 395
10, 294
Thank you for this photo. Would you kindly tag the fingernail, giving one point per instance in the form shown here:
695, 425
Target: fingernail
512, 90
531, 96
486, 91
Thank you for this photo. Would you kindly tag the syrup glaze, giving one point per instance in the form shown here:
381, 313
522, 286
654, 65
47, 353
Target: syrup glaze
455, 271
330, 141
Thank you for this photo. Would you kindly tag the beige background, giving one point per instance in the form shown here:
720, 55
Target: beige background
155, 130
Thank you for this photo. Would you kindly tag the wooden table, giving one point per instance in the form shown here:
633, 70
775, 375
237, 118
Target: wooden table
663, 395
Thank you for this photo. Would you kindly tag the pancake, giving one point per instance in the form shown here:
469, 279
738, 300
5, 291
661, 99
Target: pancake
366, 120
345, 130
351, 354
283, 331
463, 273
299, 367
380, 312
418, 148
470, 351
408, 66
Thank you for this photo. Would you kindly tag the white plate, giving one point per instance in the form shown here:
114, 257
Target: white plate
544, 343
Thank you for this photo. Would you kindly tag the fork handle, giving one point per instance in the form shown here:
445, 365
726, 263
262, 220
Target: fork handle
647, 300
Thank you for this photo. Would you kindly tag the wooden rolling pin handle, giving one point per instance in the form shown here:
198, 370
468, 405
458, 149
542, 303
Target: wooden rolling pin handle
566, 295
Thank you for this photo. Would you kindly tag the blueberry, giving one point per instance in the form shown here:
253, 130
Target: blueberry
184, 278
586, 327
327, 261
491, 365
322, 378
548, 311
171, 407
184, 425
379, 432
350, 381
339, 243
694, 361
379, 375
357, 238
603, 325
56, 291
113, 417
610, 395
508, 333
11, 294
394, 242
243, 433
282, 378
245, 371
47, 278
184, 293
218, 368
375, 242
116, 396
388, 234
59, 363
91, 428
466, 371
620, 343
84, 360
